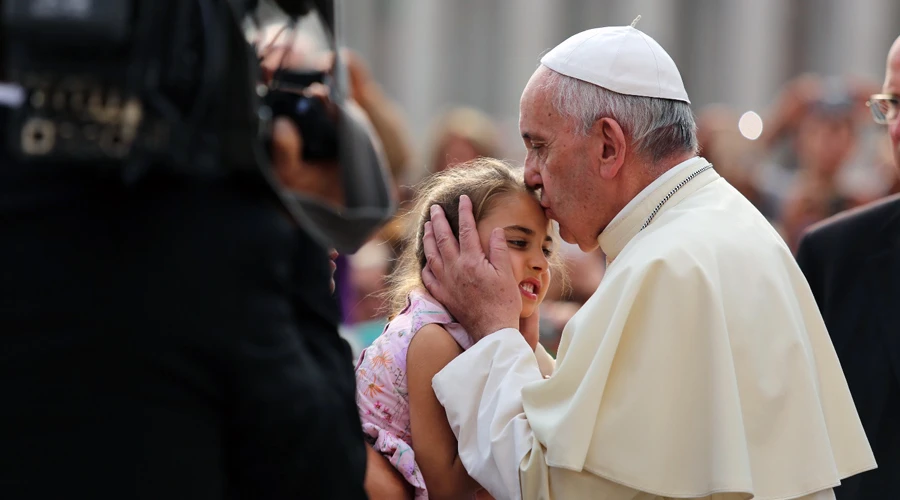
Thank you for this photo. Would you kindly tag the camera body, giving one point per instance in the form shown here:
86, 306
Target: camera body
123, 86
127, 87
73, 108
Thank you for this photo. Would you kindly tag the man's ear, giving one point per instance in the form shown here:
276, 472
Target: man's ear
610, 146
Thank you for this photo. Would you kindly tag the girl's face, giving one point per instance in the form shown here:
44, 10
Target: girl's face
527, 233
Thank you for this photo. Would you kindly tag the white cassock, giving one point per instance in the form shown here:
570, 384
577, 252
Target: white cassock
700, 368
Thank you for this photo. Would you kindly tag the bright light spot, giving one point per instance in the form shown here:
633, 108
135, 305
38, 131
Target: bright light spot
750, 125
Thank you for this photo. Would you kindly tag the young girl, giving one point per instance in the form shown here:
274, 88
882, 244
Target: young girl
401, 416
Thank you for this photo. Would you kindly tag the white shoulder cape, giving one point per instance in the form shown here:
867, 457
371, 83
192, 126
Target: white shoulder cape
701, 364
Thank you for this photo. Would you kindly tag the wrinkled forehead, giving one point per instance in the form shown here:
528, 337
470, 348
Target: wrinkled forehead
536, 90
538, 117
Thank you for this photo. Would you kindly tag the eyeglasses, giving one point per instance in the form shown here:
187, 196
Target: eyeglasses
885, 108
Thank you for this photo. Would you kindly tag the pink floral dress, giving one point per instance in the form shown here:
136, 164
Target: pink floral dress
381, 387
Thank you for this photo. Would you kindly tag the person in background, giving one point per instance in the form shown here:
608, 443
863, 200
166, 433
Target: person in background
735, 157
825, 140
818, 121
886, 166
459, 135
852, 263
390, 125
366, 317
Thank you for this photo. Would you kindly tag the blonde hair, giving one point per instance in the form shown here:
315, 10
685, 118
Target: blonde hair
484, 181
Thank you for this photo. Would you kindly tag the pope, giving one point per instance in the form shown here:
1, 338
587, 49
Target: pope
700, 368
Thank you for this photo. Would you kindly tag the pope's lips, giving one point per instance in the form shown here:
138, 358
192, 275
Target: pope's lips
548, 212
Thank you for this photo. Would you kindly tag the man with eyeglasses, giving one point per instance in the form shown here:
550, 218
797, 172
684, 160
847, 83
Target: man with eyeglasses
852, 263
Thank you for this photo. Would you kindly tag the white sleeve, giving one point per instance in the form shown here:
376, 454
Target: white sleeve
481, 390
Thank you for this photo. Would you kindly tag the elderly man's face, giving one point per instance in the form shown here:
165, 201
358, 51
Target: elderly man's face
892, 86
557, 162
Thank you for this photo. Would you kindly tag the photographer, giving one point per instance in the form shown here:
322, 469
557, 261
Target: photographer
172, 338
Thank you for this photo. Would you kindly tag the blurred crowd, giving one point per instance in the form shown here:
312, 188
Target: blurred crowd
813, 153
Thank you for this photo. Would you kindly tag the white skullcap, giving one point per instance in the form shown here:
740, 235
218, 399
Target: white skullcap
621, 59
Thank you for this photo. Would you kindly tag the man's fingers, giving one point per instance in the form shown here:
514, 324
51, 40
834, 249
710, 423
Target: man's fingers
432, 255
432, 284
468, 231
447, 245
499, 252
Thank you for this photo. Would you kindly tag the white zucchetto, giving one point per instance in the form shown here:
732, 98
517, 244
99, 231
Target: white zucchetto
622, 59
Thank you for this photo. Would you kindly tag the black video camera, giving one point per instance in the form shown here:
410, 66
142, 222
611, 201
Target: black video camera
125, 87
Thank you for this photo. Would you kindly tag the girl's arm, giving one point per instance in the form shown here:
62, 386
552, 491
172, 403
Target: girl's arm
433, 441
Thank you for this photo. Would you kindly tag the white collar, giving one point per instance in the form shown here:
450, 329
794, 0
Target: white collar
628, 222
659, 181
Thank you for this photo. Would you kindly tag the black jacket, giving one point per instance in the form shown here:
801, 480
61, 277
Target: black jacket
176, 340
852, 263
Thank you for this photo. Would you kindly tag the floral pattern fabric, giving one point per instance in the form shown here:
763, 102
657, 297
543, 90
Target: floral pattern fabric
381, 385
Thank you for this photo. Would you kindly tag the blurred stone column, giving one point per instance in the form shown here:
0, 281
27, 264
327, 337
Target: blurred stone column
528, 29
755, 37
659, 19
476, 50
416, 50
358, 31
860, 37
594, 13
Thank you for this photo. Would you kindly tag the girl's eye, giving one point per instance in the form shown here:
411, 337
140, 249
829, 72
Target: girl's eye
548, 252
518, 243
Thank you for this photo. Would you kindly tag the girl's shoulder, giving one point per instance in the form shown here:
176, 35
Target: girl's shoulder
422, 309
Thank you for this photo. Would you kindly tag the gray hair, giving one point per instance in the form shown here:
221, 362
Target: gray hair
658, 128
